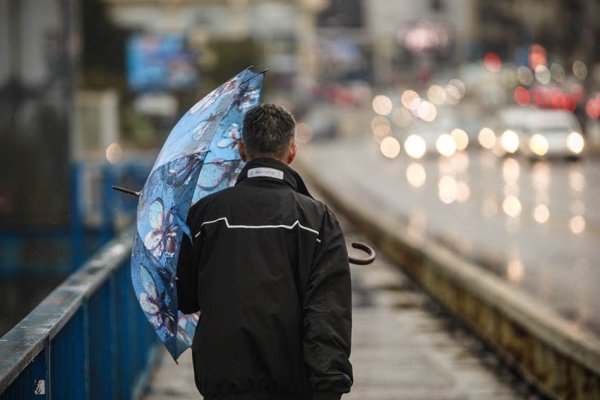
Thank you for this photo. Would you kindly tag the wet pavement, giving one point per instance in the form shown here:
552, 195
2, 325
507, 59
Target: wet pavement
404, 347
535, 225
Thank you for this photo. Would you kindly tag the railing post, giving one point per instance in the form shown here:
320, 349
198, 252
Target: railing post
126, 339
101, 343
69, 360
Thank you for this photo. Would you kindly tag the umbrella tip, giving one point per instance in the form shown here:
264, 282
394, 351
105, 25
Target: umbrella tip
125, 190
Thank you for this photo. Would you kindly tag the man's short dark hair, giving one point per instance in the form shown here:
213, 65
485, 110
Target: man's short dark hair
268, 131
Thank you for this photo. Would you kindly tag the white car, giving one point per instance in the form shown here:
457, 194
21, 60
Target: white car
553, 133
441, 137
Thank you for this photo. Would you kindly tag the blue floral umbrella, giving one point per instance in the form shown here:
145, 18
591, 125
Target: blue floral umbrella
199, 157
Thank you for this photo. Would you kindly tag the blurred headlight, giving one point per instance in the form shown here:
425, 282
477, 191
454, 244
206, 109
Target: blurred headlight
415, 146
509, 141
390, 147
538, 145
487, 138
445, 145
460, 138
575, 142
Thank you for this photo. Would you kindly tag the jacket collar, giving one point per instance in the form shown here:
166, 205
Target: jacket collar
273, 170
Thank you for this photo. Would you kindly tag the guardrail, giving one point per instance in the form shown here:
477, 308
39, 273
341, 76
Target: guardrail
88, 339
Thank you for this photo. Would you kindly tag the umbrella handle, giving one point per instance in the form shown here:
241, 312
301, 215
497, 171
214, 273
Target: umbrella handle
128, 191
367, 249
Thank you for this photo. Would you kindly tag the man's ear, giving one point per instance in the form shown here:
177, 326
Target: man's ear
292, 153
242, 150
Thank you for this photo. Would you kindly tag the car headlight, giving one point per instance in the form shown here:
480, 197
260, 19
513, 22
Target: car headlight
575, 142
445, 145
538, 145
415, 146
510, 141
461, 138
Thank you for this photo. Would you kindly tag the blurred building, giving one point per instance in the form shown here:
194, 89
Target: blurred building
568, 29
38, 46
278, 34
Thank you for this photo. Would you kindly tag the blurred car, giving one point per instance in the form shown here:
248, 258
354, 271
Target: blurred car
553, 133
441, 136
538, 133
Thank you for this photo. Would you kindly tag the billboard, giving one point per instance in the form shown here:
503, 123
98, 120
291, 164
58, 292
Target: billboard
160, 62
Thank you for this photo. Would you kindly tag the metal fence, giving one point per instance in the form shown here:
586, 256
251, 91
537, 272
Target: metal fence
87, 340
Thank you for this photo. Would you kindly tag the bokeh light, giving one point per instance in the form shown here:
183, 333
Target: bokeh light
538, 145
415, 146
510, 141
380, 126
558, 73
447, 189
511, 170
382, 105
577, 224
416, 175
463, 192
114, 152
576, 180
580, 70
541, 213
409, 98
575, 142
436, 94
524, 75
522, 96
492, 62
537, 56
486, 138
542, 74
515, 271
390, 147
426, 111
445, 145
460, 86
511, 206
460, 138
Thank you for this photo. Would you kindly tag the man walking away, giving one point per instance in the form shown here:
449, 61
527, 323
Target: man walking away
268, 270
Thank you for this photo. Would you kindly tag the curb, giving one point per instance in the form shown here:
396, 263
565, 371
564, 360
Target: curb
548, 350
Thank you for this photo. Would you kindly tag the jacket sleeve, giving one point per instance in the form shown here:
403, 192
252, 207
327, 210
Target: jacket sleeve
187, 300
328, 315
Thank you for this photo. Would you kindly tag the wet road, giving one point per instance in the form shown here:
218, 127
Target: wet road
536, 225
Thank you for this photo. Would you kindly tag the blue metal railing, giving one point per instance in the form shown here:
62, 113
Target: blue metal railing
87, 340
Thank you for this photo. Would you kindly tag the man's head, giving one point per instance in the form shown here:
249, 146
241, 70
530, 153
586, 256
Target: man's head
268, 132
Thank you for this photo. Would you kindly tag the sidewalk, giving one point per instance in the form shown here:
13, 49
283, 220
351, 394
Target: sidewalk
402, 349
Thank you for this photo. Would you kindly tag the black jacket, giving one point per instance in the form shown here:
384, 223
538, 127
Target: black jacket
268, 269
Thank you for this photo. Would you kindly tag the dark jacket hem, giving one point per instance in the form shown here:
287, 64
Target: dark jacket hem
262, 396
327, 396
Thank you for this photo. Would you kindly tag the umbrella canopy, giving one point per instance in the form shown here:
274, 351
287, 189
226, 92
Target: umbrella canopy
199, 157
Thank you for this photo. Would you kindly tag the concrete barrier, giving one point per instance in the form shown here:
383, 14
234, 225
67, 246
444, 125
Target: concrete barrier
549, 351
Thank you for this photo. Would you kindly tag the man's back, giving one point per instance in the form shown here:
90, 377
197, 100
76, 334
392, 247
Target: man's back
268, 270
